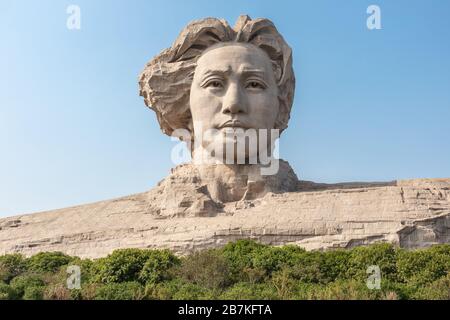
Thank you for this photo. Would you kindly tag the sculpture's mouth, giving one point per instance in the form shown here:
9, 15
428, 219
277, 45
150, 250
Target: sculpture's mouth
235, 124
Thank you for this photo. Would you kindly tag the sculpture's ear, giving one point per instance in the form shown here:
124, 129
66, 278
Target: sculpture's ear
190, 125
277, 71
281, 120
189, 121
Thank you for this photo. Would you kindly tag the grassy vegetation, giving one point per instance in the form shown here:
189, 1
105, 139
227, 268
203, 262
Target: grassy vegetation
240, 270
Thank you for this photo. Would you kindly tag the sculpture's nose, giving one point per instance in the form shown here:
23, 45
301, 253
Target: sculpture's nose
233, 100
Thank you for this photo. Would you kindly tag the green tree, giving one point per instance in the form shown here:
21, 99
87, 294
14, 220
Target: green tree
7, 293
134, 265
34, 293
21, 283
206, 268
437, 290
48, 261
344, 290
191, 291
12, 265
271, 259
158, 265
120, 291
335, 265
240, 255
382, 255
307, 267
423, 266
250, 291
123, 265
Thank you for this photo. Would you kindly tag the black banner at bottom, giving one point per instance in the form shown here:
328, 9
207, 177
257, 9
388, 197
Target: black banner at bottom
230, 309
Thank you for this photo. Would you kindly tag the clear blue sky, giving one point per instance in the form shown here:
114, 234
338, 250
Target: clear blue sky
369, 105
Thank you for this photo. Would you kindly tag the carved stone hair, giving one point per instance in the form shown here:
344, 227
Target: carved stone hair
166, 80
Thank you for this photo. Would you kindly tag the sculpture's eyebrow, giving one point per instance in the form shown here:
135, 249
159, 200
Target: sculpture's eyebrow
220, 72
253, 72
245, 72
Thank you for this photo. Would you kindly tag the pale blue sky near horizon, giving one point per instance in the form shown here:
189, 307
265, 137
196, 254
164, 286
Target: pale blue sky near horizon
370, 105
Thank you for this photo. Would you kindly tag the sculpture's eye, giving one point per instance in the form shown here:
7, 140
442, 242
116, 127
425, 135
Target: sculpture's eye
253, 84
215, 84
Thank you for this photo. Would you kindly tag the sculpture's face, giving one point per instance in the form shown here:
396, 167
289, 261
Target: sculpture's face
233, 88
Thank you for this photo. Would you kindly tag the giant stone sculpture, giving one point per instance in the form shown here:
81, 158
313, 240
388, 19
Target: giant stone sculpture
222, 84
212, 87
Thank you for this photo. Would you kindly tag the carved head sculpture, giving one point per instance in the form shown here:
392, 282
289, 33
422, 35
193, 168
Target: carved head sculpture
223, 78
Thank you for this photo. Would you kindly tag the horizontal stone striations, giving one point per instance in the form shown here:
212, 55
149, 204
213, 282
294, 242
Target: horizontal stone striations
410, 214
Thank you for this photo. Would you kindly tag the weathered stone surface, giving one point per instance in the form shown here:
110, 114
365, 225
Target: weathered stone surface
410, 213
192, 190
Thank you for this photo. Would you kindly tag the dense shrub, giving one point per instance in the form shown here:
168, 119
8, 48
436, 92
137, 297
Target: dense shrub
122, 265
59, 291
48, 261
192, 291
87, 270
240, 255
206, 268
12, 265
120, 291
87, 292
251, 261
342, 290
164, 290
7, 293
334, 264
421, 267
134, 265
269, 259
246, 291
381, 255
437, 290
178, 289
158, 265
240, 270
308, 268
34, 293
21, 283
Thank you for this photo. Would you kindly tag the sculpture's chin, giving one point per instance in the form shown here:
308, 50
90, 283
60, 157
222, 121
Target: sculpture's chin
229, 151
233, 145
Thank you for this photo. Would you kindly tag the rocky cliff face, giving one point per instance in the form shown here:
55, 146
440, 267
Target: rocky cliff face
411, 214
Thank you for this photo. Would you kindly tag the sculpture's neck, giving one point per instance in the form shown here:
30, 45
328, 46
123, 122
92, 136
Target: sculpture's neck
201, 189
231, 182
235, 159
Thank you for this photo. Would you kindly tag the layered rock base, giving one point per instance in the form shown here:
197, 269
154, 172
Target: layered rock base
409, 213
